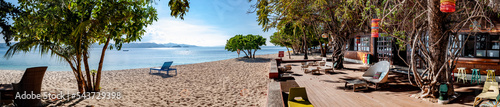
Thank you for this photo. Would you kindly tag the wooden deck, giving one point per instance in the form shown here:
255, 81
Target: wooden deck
327, 90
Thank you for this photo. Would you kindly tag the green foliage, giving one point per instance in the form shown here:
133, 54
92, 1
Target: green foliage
287, 36
245, 43
310, 19
7, 9
77, 24
277, 39
179, 8
67, 29
235, 43
93, 72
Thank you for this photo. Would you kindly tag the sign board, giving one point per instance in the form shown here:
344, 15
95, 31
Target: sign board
281, 53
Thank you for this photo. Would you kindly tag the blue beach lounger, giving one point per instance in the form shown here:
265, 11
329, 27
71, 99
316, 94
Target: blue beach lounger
165, 67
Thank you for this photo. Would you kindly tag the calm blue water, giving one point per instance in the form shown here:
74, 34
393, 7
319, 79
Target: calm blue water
134, 58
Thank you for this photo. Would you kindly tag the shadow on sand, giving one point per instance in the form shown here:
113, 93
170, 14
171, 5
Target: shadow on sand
333, 73
394, 84
163, 75
63, 102
254, 60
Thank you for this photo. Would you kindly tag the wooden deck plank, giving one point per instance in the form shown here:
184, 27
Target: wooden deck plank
327, 90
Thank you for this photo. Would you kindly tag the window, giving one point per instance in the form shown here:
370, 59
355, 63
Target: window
481, 45
493, 46
455, 46
364, 44
384, 48
469, 46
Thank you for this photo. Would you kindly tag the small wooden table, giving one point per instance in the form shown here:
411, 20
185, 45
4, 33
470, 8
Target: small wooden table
356, 84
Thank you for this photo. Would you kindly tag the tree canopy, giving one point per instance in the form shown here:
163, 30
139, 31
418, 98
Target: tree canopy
67, 29
419, 24
248, 44
428, 32
7, 12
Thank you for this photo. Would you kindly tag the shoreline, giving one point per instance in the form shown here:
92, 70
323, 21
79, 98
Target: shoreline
149, 67
230, 82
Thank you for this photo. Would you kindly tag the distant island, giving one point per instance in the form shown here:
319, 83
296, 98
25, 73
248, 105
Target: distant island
151, 45
136, 45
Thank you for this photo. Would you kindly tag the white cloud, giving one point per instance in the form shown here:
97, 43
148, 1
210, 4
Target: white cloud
169, 30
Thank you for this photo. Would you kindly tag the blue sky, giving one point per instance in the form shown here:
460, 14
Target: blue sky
208, 23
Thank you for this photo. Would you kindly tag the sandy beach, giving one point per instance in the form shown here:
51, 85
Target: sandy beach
232, 82
236, 82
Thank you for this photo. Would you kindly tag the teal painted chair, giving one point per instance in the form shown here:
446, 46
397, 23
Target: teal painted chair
475, 76
443, 92
165, 67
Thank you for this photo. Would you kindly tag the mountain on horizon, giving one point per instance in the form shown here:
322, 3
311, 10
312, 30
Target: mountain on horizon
136, 45
152, 45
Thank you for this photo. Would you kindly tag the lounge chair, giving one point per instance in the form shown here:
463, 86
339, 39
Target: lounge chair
490, 91
328, 66
303, 101
313, 70
288, 67
31, 83
380, 69
165, 67
304, 66
322, 62
311, 63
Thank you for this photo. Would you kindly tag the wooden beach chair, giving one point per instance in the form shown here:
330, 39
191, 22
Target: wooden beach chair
298, 98
304, 65
31, 83
322, 62
312, 70
288, 67
328, 66
380, 69
165, 67
490, 91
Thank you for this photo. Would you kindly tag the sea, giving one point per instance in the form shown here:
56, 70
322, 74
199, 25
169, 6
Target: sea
128, 58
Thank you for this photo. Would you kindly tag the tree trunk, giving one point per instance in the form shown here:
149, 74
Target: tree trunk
322, 49
305, 44
339, 60
87, 71
244, 52
97, 85
249, 53
254, 53
437, 45
80, 79
338, 47
288, 50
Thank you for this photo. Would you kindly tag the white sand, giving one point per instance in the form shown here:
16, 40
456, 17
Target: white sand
232, 82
